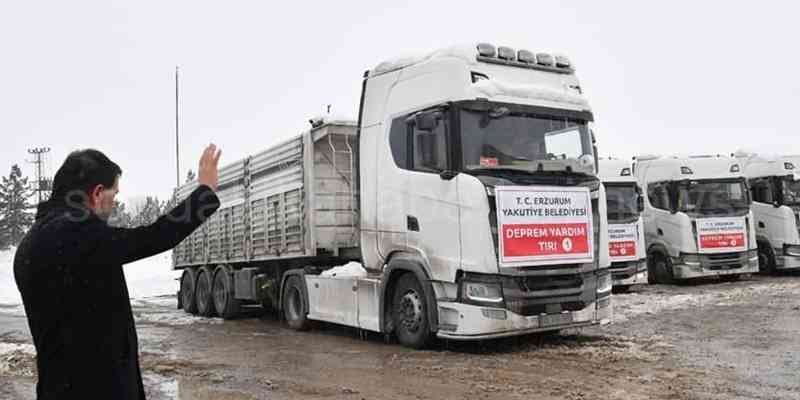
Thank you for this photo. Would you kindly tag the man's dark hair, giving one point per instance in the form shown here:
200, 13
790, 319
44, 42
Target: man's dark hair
80, 173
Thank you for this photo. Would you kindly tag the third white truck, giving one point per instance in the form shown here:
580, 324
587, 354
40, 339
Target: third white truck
775, 189
697, 217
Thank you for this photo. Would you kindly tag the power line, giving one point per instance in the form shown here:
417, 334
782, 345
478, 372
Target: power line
42, 183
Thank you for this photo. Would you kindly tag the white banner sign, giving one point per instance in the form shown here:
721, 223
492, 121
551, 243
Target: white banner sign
721, 235
544, 225
622, 242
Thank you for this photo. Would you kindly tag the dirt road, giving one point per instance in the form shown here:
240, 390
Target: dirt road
704, 341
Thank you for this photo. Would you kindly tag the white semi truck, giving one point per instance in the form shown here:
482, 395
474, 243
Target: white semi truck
697, 218
775, 189
625, 204
467, 189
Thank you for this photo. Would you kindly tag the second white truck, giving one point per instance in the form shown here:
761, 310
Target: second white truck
697, 218
625, 223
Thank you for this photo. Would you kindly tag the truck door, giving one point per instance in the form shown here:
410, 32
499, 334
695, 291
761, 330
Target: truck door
424, 205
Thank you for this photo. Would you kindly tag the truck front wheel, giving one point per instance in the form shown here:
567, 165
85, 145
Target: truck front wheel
766, 258
663, 269
294, 304
410, 313
188, 281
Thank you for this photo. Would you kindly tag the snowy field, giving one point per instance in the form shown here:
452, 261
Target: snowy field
146, 278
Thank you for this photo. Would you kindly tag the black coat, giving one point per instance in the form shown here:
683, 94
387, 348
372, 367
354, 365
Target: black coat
68, 269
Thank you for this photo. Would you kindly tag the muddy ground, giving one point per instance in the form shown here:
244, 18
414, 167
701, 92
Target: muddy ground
707, 340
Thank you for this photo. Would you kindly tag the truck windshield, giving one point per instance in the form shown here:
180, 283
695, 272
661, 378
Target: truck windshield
713, 197
622, 202
501, 138
791, 192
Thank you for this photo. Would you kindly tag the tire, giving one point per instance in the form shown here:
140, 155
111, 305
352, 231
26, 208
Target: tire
203, 294
730, 278
187, 291
410, 312
225, 302
621, 289
295, 304
766, 259
663, 269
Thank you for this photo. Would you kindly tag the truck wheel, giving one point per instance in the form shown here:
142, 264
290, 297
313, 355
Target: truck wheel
205, 300
410, 312
663, 270
187, 294
295, 308
225, 302
766, 259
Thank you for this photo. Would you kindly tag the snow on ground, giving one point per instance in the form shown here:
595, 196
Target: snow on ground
634, 304
146, 278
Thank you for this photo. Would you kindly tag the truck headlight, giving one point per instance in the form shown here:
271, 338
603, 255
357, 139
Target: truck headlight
604, 283
483, 293
692, 260
791, 250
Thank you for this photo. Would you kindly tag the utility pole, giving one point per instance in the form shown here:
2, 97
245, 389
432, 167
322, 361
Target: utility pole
42, 184
177, 143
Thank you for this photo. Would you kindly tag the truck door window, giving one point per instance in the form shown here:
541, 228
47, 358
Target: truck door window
398, 141
658, 195
761, 190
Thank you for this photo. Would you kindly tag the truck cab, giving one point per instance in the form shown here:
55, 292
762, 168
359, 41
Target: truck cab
775, 189
478, 174
697, 218
625, 204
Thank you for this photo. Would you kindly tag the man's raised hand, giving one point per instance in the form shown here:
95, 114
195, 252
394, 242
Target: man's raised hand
207, 172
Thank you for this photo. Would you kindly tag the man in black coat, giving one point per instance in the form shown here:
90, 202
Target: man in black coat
68, 269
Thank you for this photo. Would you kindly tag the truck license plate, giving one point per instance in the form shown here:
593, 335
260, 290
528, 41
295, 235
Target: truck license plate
556, 319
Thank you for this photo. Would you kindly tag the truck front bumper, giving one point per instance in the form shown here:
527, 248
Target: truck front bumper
629, 273
459, 321
786, 262
708, 265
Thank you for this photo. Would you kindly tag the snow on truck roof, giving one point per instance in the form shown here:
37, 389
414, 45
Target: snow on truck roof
756, 166
615, 170
670, 168
486, 52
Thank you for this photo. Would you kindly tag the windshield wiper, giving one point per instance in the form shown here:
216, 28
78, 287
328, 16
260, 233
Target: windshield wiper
524, 175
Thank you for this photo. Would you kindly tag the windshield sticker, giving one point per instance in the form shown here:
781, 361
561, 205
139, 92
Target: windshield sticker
622, 242
489, 161
543, 226
716, 235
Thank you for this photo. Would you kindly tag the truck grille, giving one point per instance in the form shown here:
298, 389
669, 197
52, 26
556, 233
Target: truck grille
723, 260
551, 294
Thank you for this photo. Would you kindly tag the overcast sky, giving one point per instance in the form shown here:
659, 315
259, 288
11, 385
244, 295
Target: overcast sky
662, 77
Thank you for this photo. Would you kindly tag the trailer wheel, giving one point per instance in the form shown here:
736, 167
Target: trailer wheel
225, 302
187, 294
205, 300
766, 258
410, 312
295, 308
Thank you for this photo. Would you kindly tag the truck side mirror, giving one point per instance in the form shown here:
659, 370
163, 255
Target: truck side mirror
427, 147
427, 121
640, 203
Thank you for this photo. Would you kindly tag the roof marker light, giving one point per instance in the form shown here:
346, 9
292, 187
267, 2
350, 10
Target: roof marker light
506, 53
526, 57
625, 172
562, 62
486, 50
735, 168
788, 165
544, 59
686, 171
